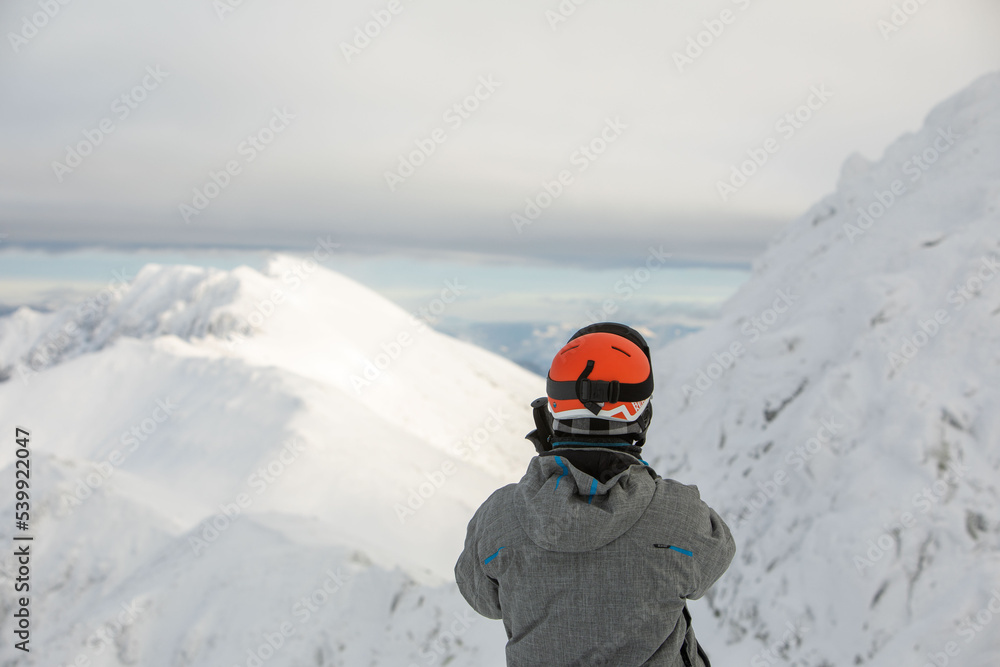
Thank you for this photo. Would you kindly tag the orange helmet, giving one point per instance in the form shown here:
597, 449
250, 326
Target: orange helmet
603, 371
599, 386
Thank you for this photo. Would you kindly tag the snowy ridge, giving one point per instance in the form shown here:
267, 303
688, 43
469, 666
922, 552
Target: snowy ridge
215, 473
214, 467
842, 414
316, 325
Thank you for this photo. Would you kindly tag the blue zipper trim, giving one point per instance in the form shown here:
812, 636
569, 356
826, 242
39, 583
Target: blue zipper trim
593, 489
565, 470
489, 558
683, 551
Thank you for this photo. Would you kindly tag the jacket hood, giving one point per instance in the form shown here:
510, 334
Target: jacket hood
563, 508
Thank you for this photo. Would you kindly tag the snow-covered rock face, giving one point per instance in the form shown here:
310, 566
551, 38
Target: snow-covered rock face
842, 415
241, 468
243, 460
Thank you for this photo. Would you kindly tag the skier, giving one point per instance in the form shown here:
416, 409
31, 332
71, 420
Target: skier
589, 559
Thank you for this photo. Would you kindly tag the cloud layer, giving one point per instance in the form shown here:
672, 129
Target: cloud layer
409, 123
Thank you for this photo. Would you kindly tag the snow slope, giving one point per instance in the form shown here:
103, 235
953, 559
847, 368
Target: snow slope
214, 468
842, 415
214, 447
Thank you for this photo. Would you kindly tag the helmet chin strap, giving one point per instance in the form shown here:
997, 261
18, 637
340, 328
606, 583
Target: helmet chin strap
644, 419
582, 390
541, 437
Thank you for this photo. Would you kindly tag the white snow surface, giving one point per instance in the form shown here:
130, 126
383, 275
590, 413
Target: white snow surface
214, 446
874, 540
841, 415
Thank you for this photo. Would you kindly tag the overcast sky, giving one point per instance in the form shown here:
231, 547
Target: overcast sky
337, 120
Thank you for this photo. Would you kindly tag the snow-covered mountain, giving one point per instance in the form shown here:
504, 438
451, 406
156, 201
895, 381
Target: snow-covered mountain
843, 415
242, 468
280, 462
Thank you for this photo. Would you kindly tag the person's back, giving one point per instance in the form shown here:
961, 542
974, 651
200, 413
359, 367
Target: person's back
590, 557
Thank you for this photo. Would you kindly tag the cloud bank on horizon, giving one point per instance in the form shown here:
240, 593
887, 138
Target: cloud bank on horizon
557, 129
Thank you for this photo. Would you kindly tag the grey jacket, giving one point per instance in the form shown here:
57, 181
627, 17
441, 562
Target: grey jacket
590, 573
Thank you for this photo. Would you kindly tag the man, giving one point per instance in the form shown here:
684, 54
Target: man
589, 559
